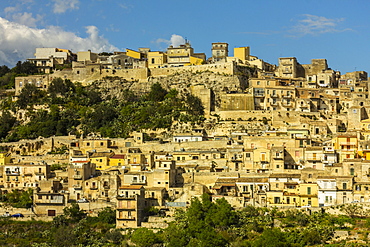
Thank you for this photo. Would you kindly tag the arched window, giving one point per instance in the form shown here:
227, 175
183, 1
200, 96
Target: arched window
352, 171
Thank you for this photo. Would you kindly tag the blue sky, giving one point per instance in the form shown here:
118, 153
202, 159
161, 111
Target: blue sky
337, 30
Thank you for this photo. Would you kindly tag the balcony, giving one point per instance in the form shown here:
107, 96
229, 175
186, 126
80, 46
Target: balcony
261, 192
106, 187
126, 218
138, 181
12, 173
259, 95
124, 197
274, 103
287, 96
39, 173
286, 103
348, 143
93, 188
278, 157
77, 177
313, 158
77, 186
274, 96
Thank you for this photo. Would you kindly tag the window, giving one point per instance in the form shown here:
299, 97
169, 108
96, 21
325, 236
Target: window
344, 186
308, 190
51, 212
352, 171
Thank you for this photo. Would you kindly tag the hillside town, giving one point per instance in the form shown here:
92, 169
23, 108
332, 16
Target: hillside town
289, 135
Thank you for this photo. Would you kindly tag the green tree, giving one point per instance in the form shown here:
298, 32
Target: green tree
200, 225
73, 213
194, 105
7, 122
4, 70
271, 238
19, 198
30, 94
60, 87
25, 68
143, 237
107, 215
353, 210
157, 93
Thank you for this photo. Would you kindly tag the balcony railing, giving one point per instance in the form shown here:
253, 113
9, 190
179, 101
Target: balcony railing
138, 181
12, 173
259, 95
77, 187
77, 177
286, 103
311, 158
124, 197
127, 218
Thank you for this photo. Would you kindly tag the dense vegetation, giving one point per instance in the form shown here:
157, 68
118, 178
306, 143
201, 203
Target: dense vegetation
204, 223
67, 108
73, 228
17, 198
207, 223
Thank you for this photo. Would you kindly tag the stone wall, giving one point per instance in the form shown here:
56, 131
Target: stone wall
222, 68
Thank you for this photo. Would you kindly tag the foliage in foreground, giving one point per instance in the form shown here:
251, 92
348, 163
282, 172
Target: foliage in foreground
207, 223
73, 228
204, 223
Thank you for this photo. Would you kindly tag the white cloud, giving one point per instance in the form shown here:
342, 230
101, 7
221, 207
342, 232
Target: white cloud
10, 9
314, 25
175, 40
18, 42
26, 19
61, 6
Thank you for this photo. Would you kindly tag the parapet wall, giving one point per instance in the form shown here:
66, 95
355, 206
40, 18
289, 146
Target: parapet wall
222, 68
128, 74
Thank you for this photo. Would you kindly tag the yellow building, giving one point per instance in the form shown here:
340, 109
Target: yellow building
196, 61
242, 53
130, 206
101, 160
24, 175
4, 158
117, 160
133, 54
179, 56
365, 127
308, 194
156, 59
346, 145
